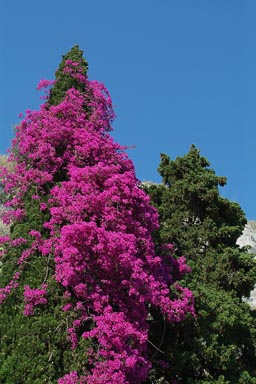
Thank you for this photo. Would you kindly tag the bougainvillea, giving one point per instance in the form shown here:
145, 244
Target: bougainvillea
98, 235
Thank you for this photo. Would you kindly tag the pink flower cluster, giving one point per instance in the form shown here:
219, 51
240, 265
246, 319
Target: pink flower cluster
5, 291
33, 297
100, 232
74, 70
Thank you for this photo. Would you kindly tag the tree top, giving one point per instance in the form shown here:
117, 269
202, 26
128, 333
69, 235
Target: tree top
64, 80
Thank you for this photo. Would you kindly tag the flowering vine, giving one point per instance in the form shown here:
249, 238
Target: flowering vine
99, 233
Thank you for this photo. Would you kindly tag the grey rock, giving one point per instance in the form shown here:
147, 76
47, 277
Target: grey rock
248, 238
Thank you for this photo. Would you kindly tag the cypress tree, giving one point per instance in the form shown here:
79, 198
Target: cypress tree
35, 349
80, 273
64, 80
218, 345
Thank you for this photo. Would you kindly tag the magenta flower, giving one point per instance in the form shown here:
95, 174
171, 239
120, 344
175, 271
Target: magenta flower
100, 233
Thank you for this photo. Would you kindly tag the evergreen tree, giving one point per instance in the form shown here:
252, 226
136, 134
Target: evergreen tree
218, 345
79, 268
64, 79
35, 349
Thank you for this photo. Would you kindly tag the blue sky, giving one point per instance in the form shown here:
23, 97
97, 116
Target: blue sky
179, 72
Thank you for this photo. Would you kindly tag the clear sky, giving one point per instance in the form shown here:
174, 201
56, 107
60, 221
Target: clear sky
179, 72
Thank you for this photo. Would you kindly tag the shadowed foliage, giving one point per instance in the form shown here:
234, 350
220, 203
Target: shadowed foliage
218, 346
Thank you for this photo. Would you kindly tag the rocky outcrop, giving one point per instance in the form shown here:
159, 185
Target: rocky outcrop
4, 229
248, 238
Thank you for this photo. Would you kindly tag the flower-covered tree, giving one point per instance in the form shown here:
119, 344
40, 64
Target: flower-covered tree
80, 257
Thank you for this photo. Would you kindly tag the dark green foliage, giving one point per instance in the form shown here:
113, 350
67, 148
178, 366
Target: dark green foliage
35, 350
63, 80
218, 346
